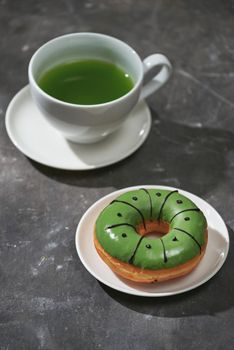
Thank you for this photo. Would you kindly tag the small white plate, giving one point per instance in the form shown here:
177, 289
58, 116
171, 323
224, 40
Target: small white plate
215, 255
38, 140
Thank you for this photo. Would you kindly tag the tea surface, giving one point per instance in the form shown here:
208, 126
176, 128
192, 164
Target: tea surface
86, 82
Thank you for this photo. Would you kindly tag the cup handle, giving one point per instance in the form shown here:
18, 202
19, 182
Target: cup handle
158, 80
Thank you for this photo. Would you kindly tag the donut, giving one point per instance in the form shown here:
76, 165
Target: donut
123, 235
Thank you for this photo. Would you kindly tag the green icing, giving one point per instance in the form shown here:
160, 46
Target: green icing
176, 203
116, 228
123, 238
158, 197
195, 225
154, 257
139, 199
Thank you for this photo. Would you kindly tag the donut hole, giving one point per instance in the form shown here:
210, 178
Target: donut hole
153, 229
154, 235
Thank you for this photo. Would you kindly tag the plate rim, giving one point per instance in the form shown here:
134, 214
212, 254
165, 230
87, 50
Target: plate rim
8, 117
142, 293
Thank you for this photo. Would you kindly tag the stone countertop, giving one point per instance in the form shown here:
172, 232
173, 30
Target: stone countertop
47, 298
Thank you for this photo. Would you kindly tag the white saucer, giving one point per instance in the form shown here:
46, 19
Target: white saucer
37, 139
215, 255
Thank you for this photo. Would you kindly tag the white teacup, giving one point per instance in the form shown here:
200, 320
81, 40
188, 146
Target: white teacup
90, 123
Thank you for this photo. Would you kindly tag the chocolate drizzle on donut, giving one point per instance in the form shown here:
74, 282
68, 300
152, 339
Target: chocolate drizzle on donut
182, 211
164, 202
130, 205
122, 224
150, 200
132, 257
191, 236
164, 251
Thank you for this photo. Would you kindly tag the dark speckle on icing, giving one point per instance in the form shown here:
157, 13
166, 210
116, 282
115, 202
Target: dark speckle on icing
179, 201
124, 235
148, 246
134, 198
119, 214
187, 218
158, 194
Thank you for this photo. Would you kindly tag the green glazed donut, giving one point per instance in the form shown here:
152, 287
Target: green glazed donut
118, 234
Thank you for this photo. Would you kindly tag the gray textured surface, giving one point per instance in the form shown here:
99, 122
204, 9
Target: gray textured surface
47, 299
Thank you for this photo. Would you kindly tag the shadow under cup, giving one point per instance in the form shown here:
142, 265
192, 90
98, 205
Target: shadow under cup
85, 123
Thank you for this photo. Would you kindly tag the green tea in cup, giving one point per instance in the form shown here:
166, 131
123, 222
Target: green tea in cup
86, 82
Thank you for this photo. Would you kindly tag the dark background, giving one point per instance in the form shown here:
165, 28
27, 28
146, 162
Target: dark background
47, 298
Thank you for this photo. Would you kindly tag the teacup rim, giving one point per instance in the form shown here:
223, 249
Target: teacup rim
76, 105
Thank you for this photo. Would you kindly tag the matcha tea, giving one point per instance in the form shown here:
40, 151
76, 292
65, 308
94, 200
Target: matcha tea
86, 82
